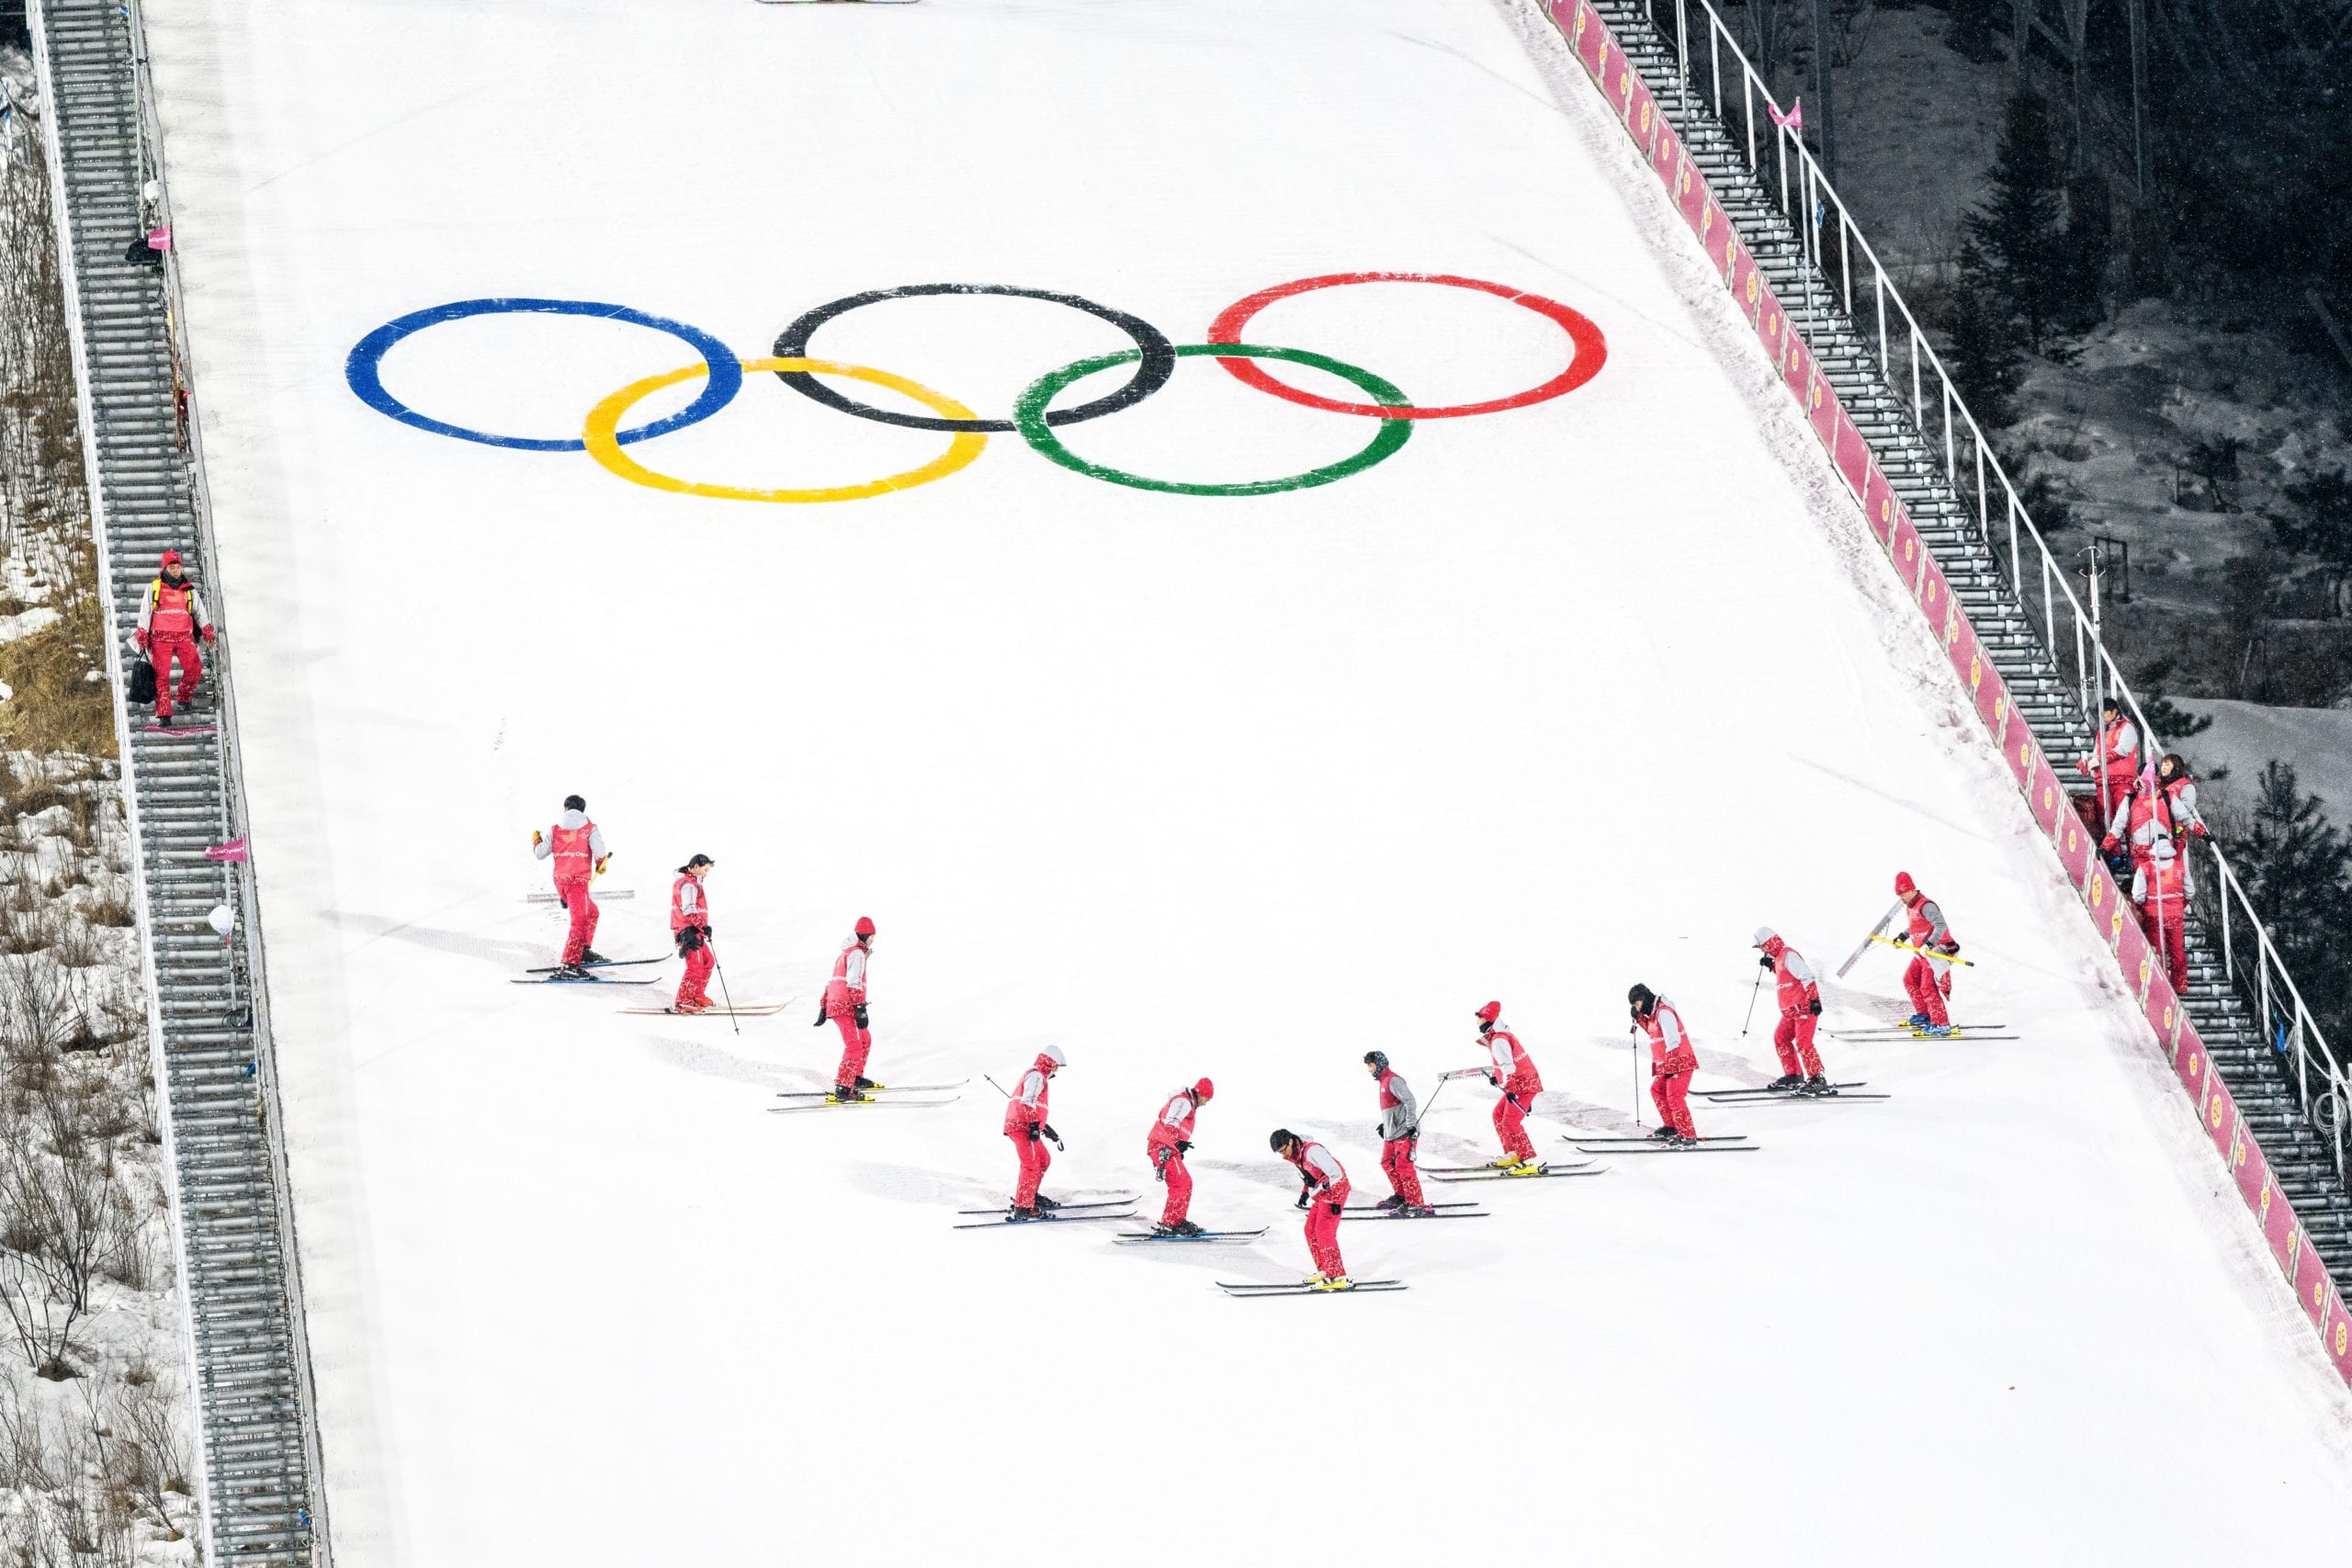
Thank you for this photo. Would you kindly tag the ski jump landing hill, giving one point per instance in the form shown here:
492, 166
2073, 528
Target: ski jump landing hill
1130, 743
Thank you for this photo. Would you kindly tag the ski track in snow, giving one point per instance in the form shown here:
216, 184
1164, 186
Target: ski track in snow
1550, 701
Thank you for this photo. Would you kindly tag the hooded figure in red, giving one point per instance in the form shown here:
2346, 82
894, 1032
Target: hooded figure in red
171, 617
1026, 1125
1166, 1144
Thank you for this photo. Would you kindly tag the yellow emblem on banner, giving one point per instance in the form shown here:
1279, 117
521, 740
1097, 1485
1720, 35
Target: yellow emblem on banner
1887, 509
2144, 965
1755, 286
1706, 220
1645, 118
2343, 1337
1975, 670
2196, 1063
1582, 14
2115, 926
2099, 883
2264, 1210
2215, 1115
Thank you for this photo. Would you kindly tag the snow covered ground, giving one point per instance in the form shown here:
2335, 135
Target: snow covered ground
2246, 737
1550, 701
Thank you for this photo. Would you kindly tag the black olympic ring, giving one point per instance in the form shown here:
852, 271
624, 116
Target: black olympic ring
1152, 370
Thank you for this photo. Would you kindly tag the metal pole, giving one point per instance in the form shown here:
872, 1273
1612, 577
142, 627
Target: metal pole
2136, 13
1821, 87
2099, 691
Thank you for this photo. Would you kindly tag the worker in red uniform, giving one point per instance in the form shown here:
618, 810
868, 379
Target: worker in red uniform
576, 845
171, 617
1323, 1193
2162, 804
844, 1003
690, 929
1673, 1060
1400, 1128
1511, 1070
2160, 887
1798, 991
1166, 1144
1928, 975
1026, 1125
2113, 765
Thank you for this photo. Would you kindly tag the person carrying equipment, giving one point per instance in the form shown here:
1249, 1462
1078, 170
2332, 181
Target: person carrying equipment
1513, 1072
844, 1003
690, 929
1026, 1125
576, 845
1323, 1193
1673, 1060
1798, 991
2114, 763
2160, 887
1165, 1147
1928, 977
1400, 1128
171, 617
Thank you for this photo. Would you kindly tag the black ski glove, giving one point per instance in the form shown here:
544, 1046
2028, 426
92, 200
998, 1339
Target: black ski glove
1334, 1210
1033, 1133
1381, 1131
1764, 961
860, 1015
1814, 1007
1160, 1169
706, 933
821, 1017
689, 940
1049, 1128
1183, 1146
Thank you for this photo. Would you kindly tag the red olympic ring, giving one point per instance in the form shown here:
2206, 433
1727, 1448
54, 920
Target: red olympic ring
1591, 348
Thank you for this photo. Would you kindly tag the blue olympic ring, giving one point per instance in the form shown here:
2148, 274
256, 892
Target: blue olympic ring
364, 369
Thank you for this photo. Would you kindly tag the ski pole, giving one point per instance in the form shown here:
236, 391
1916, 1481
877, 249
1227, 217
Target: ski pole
1927, 951
1753, 993
720, 970
1008, 1094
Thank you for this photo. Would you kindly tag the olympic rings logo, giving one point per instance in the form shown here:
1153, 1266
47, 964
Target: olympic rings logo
1035, 418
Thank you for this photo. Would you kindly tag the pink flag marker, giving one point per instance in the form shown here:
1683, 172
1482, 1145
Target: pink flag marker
235, 850
1793, 120
160, 239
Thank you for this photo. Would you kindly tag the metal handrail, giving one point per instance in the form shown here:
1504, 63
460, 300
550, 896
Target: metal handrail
2097, 676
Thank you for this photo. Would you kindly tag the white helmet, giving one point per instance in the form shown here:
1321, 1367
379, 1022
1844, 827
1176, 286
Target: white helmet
1054, 1054
1764, 934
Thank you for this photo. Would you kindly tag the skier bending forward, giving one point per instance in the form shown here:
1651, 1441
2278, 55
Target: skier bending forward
1165, 1146
1323, 1193
1026, 1125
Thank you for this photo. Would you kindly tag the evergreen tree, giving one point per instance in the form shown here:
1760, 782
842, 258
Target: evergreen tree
2019, 245
1970, 31
1984, 364
2321, 524
2172, 723
2296, 870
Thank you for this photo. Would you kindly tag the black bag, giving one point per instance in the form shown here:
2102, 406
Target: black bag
142, 681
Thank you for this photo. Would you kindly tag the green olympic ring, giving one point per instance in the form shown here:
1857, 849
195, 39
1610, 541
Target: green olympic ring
1029, 419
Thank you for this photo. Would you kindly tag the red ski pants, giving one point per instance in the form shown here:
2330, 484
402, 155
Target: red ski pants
1180, 1187
161, 653
1793, 1040
1510, 1126
855, 1043
1035, 1159
583, 910
1404, 1177
1929, 983
1323, 1229
697, 976
2170, 940
1670, 1090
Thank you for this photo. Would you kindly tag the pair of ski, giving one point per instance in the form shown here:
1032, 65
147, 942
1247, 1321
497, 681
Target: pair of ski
880, 1097
562, 974
1726, 1144
1060, 1214
1353, 1287
1490, 1173
1763, 1096
1909, 1031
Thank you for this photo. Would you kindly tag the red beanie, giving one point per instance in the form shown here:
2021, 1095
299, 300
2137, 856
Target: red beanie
864, 926
1903, 883
1490, 1012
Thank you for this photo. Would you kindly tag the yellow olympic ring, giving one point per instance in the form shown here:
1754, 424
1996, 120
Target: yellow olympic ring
601, 435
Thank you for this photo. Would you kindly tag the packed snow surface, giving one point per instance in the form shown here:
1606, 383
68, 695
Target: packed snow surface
1552, 700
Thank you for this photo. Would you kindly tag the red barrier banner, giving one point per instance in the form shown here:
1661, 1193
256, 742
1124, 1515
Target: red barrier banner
1621, 88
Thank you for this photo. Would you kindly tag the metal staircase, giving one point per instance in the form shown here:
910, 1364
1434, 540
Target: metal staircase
1958, 514
207, 1012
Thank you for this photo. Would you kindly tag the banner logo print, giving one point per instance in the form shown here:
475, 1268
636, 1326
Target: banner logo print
1033, 418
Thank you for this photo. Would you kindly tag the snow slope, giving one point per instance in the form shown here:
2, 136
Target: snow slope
1552, 700
2246, 737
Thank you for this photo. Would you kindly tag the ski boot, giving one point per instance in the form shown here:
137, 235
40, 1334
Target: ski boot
1916, 1020
1936, 1031
163, 721
1524, 1168
1316, 1281
571, 972
688, 1010
1165, 1229
1682, 1140
1336, 1282
1416, 1211
867, 1083
590, 955
1819, 1088
1786, 1082
1046, 1203
1503, 1164
1019, 1215
1394, 1201
1663, 1135
1184, 1228
846, 1094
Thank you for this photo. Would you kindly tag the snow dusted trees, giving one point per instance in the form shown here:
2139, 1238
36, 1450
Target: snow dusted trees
2298, 873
